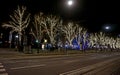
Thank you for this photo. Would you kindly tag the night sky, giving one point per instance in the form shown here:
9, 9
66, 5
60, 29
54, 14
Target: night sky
92, 14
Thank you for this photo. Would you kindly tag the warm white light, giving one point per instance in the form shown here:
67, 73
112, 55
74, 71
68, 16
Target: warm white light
45, 40
70, 2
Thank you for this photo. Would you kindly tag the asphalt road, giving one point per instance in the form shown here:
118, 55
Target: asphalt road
93, 64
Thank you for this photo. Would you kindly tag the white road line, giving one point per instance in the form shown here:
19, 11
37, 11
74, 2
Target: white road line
1, 66
70, 61
28, 67
12, 62
4, 74
2, 70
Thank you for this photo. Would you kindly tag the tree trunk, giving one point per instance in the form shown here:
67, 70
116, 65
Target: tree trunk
38, 46
20, 47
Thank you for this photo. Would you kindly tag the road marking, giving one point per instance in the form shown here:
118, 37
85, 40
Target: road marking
4, 74
70, 61
2, 70
1, 66
28, 67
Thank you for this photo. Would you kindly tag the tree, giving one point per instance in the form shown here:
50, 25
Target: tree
50, 24
101, 38
85, 39
79, 36
70, 31
93, 40
19, 21
37, 29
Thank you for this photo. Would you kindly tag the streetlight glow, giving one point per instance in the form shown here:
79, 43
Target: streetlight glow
45, 40
36, 41
70, 2
107, 27
16, 36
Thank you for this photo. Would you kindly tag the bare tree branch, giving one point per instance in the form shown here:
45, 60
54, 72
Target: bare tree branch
19, 21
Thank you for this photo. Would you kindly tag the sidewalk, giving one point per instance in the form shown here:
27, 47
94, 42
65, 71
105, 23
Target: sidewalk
7, 53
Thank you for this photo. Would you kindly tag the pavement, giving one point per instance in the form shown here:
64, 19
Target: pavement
104, 67
15, 63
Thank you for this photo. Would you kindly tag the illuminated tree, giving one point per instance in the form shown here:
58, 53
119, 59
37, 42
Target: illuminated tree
101, 39
79, 32
37, 28
92, 40
19, 21
85, 39
118, 43
70, 31
50, 24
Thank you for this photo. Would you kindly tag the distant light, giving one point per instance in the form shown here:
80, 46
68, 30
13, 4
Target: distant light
36, 41
45, 40
43, 46
66, 46
70, 2
16, 36
107, 27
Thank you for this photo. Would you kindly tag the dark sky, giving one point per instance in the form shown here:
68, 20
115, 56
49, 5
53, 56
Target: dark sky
94, 14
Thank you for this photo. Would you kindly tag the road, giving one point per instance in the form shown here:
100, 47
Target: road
86, 64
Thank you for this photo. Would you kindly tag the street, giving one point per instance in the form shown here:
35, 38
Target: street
86, 64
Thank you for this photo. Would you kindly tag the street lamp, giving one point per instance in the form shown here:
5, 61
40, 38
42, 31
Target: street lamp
70, 2
107, 27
